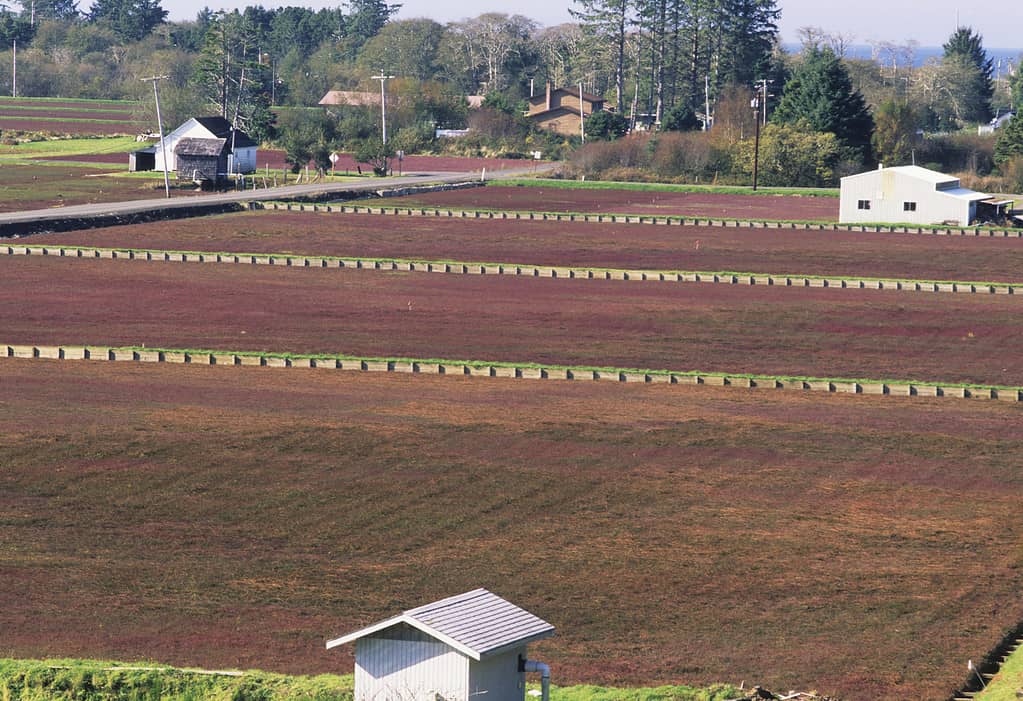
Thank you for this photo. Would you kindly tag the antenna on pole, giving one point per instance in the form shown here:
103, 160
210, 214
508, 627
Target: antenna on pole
159, 123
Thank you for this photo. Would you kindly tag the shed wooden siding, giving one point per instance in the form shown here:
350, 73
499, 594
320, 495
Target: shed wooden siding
402, 663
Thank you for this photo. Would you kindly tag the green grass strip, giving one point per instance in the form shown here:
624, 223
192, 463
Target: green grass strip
50, 109
1006, 683
95, 680
543, 366
667, 187
704, 220
71, 147
72, 100
475, 264
83, 120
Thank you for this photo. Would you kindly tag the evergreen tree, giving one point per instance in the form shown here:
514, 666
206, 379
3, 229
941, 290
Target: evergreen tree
35, 10
1016, 89
966, 48
608, 21
821, 94
748, 34
366, 19
14, 28
1010, 141
132, 20
228, 72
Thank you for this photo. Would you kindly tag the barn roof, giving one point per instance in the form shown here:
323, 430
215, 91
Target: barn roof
477, 623
191, 146
221, 129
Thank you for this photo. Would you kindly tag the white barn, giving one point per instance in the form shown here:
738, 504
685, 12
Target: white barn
240, 148
906, 194
454, 649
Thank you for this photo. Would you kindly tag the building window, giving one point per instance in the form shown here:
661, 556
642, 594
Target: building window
909, 206
863, 204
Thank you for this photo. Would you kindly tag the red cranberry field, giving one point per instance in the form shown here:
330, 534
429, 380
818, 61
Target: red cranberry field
240, 517
864, 546
602, 245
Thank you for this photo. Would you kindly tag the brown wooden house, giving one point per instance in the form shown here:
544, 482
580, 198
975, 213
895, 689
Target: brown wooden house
201, 160
559, 109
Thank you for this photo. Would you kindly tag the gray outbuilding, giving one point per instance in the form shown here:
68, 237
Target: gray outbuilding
907, 194
454, 649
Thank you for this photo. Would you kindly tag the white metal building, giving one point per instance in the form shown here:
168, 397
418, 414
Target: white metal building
455, 649
907, 194
241, 149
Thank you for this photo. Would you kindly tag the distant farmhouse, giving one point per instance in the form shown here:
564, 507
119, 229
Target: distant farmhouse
562, 109
356, 98
464, 648
201, 149
913, 195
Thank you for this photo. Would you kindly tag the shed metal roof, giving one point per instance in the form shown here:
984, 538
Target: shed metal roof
191, 146
477, 623
917, 172
963, 193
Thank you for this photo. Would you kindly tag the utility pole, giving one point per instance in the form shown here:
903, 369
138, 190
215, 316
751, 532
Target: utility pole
755, 104
582, 124
706, 103
14, 74
762, 86
159, 123
383, 78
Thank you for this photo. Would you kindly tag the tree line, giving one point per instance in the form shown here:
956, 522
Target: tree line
662, 65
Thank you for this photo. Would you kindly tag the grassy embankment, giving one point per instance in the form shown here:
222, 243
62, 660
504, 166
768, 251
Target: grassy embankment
92, 680
1009, 681
668, 187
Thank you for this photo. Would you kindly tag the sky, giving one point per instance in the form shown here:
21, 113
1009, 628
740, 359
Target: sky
929, 23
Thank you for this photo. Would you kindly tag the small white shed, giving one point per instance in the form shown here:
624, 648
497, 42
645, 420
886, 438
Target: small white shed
469, 646
906, 194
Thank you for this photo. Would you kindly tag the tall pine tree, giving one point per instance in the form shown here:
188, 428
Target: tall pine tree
608, 21
821, 94
965, 48
132, 20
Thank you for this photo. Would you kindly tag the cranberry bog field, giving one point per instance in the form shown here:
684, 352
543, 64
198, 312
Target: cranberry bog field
34, 186
239, 517
825, 333
628, 246
69, 117
865, 546
538, 198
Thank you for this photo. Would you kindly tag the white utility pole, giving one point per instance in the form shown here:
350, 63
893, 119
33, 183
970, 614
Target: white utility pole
383, 78
706, 103
159, 123
14, 74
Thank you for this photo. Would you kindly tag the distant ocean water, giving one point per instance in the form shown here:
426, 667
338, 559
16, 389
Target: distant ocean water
998, 57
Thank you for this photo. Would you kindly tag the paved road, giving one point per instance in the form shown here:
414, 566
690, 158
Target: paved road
220, 200
108, 209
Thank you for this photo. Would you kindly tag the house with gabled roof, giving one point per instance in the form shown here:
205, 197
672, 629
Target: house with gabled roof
239, 153
455, 649
562, 109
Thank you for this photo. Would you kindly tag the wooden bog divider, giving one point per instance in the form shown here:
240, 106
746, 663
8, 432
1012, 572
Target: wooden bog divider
271, 360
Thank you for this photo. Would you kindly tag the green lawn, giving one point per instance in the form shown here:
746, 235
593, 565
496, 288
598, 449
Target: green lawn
95, 680
669, 187
69, 147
